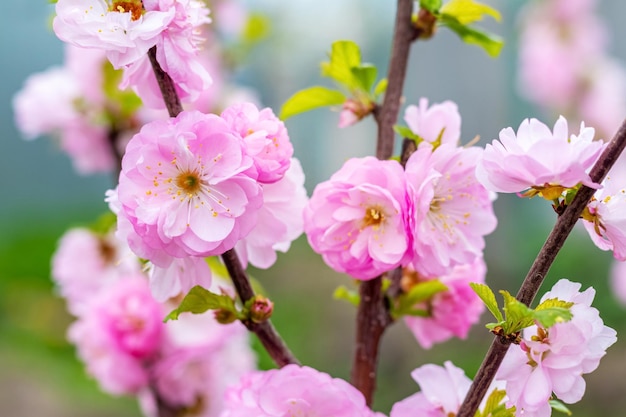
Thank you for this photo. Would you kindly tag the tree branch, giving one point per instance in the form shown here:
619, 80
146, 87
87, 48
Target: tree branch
266, 333
372, 315
540, 267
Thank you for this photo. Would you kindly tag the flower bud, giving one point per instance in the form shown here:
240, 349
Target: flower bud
224, 316
261, 309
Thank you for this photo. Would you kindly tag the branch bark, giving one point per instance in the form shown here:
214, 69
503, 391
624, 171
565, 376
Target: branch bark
540, 267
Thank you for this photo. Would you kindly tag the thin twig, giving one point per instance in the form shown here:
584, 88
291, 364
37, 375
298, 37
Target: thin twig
538, 271
373, 315
266, 333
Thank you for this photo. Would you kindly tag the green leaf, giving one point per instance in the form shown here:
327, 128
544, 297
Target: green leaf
104, 223
553, 311
432, 6
559, 406
489, 298
380, 88
309, 99
424, 291
344, 56
257, 28
406, 132
217, 267
495, 407
343, 293
492, 44
469, 11
365, 75
517, 315
199, 300
127, 101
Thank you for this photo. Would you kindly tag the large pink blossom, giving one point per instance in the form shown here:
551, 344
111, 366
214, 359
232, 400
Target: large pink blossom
453, 311
184, 190
85, 263
122, 29
554, 359
540, 158
439, 122
279, 220
294, 390
443, 391
120, 334
357, 219
265, 138
451, 210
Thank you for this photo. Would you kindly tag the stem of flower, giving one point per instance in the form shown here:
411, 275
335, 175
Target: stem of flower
372, 315
540, 267
265, 331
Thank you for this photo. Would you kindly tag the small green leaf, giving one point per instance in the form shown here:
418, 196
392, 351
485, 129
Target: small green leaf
432, 6
309, 99
257, 28
489, 298
559, 406
344, 56
365, 75
104, 223
492, 44
495, 407
127, 101
424, 291
343, 293
517, 315
416, 312
469, 11
406, 132
199, 300
553, 311
380, 88
217, 267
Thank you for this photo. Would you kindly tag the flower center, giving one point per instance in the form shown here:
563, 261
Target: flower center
374, 216
135, 8
189, 182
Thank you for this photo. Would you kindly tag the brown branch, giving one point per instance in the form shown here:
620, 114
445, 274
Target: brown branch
266, 333
372, 315
540, 267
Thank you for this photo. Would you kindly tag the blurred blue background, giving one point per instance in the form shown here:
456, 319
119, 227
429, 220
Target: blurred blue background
42, 197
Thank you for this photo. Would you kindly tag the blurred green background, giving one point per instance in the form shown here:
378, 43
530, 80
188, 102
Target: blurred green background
41, 197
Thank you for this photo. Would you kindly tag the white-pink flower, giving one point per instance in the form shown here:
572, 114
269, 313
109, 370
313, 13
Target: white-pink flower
618, 281
453, 311
279, 220
357, 220
554, 359
451, 211
184, 189
440, 122
443, 391
265, 139
536, 157
294, 390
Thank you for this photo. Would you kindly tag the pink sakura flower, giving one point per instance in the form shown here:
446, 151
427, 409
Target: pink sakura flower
294, 390
617, 279
554, 359
440, 122
452, 312
353, 111
119, 335
265, 139
279, 220
85, 263
357, 219
605, 215
184, 189
451, 210
537, 158
443, 391
121, 28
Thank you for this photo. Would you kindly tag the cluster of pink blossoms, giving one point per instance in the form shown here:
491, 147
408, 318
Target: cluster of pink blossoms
195, 185
126, 30
121, 337
553, 360
555, 35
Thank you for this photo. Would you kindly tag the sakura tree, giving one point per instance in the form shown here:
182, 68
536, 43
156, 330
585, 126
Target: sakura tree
208, 182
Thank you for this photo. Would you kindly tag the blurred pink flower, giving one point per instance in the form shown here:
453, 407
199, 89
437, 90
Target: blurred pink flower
554, 359
443, 391
265, 139
537, 157
618, 281
294, 390
357, 219
454, 311
451, 210
279, 220
441, 121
